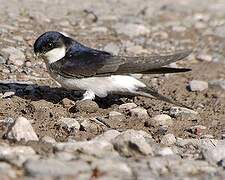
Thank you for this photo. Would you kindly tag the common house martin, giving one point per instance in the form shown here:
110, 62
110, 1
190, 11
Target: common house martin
99, 73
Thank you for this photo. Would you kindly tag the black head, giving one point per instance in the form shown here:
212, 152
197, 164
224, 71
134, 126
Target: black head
48, 41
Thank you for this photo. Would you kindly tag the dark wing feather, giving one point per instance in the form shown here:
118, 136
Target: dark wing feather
90, 62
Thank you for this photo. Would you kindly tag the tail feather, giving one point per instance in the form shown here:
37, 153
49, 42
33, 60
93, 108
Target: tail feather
164, 70
150, 92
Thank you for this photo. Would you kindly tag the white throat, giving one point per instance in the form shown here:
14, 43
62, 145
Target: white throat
55, 54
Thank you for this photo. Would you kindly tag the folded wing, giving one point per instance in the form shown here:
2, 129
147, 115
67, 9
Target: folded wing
90, 62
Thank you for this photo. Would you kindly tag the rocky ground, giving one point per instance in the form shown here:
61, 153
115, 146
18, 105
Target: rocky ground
46, 134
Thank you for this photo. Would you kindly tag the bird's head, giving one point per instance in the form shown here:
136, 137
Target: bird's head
51, 46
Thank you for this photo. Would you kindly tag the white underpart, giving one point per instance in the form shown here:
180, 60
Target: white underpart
55, 54
101, 86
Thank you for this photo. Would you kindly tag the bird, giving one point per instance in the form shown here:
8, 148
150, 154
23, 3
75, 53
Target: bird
99, 73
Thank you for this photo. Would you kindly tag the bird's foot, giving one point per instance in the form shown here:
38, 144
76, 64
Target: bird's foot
88, 95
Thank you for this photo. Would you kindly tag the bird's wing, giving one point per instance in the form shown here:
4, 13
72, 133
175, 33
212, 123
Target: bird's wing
88, 63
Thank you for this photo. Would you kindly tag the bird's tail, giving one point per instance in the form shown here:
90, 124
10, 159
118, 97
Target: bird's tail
151, 92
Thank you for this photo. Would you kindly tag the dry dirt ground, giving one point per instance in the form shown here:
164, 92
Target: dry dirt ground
169, 25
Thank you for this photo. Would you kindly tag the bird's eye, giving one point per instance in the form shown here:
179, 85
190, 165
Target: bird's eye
50, 45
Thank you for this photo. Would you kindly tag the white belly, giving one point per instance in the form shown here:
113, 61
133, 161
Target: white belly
101, 86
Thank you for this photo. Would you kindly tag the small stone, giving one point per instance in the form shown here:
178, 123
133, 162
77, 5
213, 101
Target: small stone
8, 94
16, 155
127, 106
6, 169
2, 59
136, 50
112, 48
16, 56
21, 129
184, 113
116, 116
165, 151
218, 83
112, 169
67, 103
139, 113
89, 126
108, 135
64, 156
219, 31
87, 106
93, 147
28, 64
197, 130
204, 57
48, 139
132, 143
131, 30
207, 136
214, 155
99, 29
162, 120
69, 123
53, 167
7, 122
179, 28
168, 139
196, 85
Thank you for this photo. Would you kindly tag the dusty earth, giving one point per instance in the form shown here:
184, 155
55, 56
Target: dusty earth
166, 26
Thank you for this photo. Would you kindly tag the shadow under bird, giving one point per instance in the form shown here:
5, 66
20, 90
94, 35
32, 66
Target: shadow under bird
99, 73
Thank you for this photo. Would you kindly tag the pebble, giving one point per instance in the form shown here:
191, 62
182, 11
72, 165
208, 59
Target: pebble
8, 121
184, 113
214, 155
168, 139
89, 126
64, 156
207, 136
108, 135
69, 123
87, 106
197, 130
112, 48
21, 130
162, 120
116, 116
136, 50
48, 139
56, 168
132, 143
16, 155
8, 94
67, 103
112, 169
204, 57
219, 31
218, 83
131, 30
16, 56
95, 148
196, 85
6, 169
127, 106
139, 113
99, 29
2, 59
165, 151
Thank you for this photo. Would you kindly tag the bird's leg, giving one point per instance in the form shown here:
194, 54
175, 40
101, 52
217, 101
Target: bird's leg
89, 94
